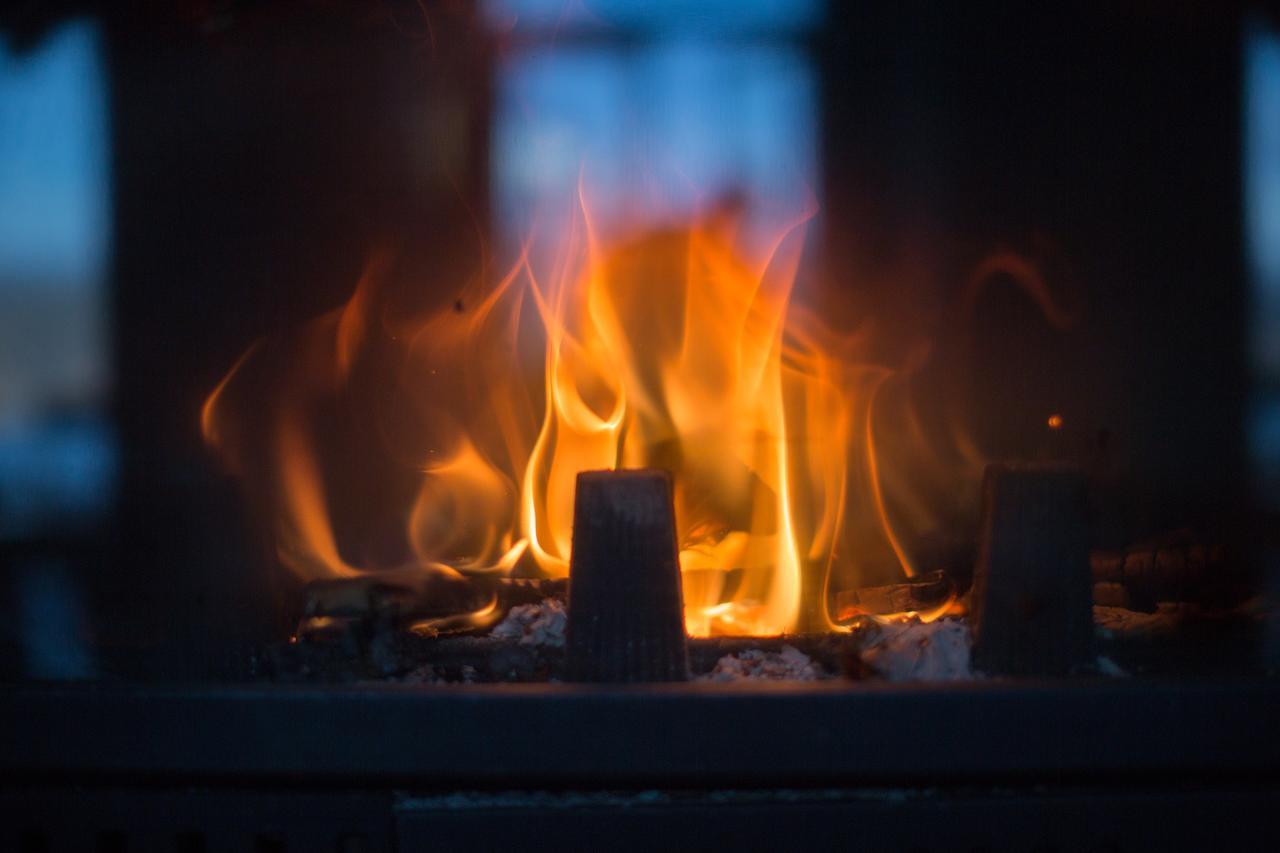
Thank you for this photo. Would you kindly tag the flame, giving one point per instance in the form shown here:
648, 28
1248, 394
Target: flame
679, 348
482, 617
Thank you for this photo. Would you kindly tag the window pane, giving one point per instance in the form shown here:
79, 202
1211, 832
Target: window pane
656, 132
56, 455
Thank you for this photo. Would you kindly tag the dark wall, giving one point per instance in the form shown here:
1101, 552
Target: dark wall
260, 157
1103, 146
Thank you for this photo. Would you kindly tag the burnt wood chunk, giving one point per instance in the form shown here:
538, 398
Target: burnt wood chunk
1032, 588
626, 613
1174, 567
925, 593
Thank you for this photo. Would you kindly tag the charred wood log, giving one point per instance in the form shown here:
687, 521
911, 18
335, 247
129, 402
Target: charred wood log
926, 593
401, 600
1032, 608
626, 613
513, 591
1173, 568
381, 624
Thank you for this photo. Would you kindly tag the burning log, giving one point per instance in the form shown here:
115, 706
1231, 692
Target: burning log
418, 600
382, 623
626, 613
1032, 606
930, 592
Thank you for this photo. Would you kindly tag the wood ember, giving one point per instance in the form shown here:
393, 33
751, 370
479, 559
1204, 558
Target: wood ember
911, 650
394, 656
432, 674
398, 597
626, 616
1032, 589
499, 659
350, 636
833, 652
541, 624
397, 600
786, 664
513, 592
926, 593
369, 628
1175, 639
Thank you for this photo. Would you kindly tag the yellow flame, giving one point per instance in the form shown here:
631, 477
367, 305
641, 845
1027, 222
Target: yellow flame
676, 348
873, 471
480, 618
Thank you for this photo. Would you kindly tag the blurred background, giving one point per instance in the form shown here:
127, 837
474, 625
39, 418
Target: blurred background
181, 179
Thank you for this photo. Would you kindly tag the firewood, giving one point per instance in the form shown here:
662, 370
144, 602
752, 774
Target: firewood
398, 599
1032, 608
924, 593
1172, 569
514, 591
400, 595
832, 651
626, 616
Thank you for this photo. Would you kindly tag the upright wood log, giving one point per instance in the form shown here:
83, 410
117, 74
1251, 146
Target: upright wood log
626, 612
1032, 589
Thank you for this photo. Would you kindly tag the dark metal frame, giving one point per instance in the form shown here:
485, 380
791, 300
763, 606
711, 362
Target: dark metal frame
702, 735
989, 765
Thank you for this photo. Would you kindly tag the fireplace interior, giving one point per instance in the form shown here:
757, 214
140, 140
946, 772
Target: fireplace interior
505, 424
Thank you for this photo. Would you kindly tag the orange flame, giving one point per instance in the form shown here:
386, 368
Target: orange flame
676, 348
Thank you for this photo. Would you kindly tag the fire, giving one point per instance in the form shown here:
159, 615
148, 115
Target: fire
679, 348
667, 352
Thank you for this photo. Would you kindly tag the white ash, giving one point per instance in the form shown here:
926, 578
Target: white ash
434, 675
1111, 669
541, 624
786, 664
912, 650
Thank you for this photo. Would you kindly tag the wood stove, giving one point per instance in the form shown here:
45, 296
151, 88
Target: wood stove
633, 425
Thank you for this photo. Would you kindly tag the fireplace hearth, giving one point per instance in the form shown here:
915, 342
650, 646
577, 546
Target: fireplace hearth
1003, 766
509, 424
